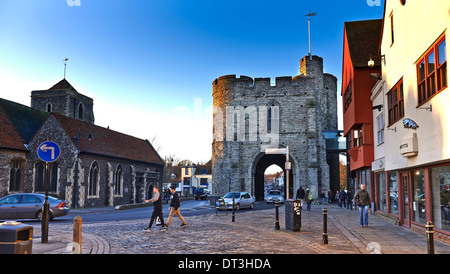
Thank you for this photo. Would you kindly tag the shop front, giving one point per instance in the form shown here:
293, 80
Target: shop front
415, 196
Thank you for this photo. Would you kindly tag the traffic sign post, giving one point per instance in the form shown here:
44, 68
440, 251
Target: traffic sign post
48, 152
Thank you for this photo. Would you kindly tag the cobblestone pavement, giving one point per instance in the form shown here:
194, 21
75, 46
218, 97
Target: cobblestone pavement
253, 232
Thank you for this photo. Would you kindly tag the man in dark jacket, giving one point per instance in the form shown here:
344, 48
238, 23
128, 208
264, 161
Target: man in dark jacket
157, 209
342, 197
175, 208
301, 195
362, 200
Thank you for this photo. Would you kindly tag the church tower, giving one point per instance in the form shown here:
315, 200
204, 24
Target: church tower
64, 99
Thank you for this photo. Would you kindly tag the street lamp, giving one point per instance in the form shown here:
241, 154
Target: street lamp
90, 137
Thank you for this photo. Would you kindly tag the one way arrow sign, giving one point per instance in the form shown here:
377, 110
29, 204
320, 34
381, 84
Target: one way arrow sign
49, 151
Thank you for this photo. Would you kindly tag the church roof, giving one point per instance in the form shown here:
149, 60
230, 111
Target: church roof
63, 84
18, 124
107, 142
363, 38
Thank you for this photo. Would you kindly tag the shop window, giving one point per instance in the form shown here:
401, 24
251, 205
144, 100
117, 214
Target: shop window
432, 71
393, 193
419, 197
381, 183
440, 187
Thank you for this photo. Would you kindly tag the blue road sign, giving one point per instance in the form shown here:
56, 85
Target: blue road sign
49, 151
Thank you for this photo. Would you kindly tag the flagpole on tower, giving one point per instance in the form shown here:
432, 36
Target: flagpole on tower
65, 64
309, 30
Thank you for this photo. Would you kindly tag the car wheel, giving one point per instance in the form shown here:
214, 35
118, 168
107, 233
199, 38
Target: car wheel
252, 205
238, 206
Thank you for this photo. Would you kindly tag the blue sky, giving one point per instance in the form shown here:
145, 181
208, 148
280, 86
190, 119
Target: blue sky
149, 64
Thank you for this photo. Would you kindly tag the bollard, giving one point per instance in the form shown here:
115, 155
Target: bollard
325, 234
277, 221
232, 212
77, 237
430, 240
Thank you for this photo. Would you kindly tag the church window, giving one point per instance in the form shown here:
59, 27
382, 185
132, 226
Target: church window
16, 175
81, 112
40, 179
94, 176
49, 107
118, 181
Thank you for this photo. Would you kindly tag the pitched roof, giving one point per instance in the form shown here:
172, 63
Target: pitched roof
18, 124
203, 170
169, 170
363, 39
106, 142
63, 84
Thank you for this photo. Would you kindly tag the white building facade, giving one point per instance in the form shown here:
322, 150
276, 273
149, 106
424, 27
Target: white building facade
412, 139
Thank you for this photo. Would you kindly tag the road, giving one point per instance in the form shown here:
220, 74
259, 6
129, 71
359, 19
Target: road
105, 214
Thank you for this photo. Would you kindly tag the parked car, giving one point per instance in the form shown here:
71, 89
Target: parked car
273, 196
29, 206
200, 193
241, 200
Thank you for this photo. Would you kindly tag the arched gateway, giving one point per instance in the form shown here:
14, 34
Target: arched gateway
251, 115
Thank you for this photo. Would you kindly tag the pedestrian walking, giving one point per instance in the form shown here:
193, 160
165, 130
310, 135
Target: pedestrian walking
342, 196
338, 202
157, 209
175, 208
330, 197
322, 197
349, 200
309, 199
362, 200
301, 195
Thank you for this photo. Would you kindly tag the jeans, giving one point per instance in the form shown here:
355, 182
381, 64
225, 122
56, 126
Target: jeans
364, 209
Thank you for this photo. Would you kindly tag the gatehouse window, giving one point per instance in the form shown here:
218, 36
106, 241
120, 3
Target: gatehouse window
49, 107
94, 175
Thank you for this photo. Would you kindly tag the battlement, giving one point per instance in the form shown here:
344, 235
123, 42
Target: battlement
264, 82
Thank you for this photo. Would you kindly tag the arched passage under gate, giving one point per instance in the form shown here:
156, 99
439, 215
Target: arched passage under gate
260, 164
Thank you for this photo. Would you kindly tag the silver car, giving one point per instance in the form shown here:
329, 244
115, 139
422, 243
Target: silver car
273, 196
29, 206
241, 200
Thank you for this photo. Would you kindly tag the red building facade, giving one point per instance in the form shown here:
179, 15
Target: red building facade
361, 44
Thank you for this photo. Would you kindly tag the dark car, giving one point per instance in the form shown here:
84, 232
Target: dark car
200, 194
29, 206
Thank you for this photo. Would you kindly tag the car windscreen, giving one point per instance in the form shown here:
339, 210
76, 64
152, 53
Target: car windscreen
232, 195
274, 193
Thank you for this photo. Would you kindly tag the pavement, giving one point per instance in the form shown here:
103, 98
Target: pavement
253, 232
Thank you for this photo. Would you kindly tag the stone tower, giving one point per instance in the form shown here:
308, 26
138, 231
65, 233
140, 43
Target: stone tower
63, 99
251, 115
